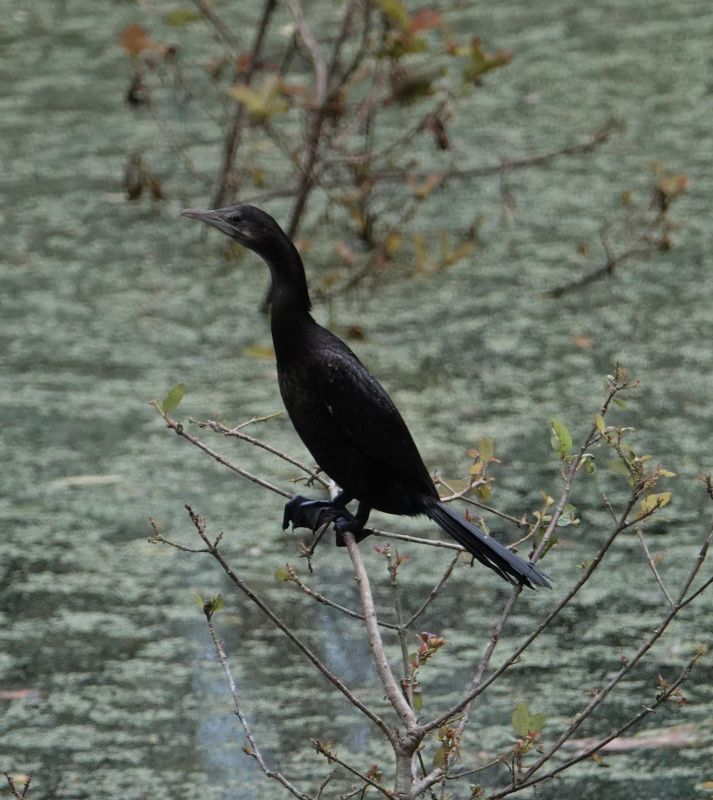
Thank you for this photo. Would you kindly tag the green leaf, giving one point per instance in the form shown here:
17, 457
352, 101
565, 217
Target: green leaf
181, 17
485, 448
199, 599
263, 102
282, 574
618, 467
560, 439
599, 422
568, 516
396, 11
537, 723
173, 399
620, 403
552, 542
439, 759
216, 603
654, 501
417, 701
524, 723
521, 719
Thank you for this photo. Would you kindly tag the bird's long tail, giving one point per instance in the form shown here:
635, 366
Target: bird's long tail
487, 550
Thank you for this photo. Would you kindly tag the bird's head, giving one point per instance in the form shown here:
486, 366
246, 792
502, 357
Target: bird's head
249, 226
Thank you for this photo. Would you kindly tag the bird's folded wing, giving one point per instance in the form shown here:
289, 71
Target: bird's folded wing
365, 413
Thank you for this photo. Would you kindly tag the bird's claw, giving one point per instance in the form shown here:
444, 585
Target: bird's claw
312, 514
301, 512
343, 525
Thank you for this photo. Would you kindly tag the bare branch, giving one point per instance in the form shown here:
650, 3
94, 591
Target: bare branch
180, 431
237, 433
652, 564
253, 749
320, 598
391, 687
289, 633
587, 573
19, 794
700, 558
508, 165
625, 669
462, 496
233, 138
330, 755
645, 711
434, 592
159, 538
318, 62
403, 537
208, 12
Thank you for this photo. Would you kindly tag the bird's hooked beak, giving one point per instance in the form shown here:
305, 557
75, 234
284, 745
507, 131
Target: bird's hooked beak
213, 218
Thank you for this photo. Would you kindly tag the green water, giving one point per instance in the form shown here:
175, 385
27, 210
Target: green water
105, 304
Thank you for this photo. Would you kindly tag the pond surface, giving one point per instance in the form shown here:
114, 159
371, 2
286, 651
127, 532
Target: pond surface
110, 684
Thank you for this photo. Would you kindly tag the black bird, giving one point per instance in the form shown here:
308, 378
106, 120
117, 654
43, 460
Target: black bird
341, 412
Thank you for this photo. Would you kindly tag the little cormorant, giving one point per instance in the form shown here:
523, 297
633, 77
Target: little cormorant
343, 415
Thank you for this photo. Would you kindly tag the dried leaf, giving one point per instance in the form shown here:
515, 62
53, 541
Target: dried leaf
134, 40
425, 19
264, 101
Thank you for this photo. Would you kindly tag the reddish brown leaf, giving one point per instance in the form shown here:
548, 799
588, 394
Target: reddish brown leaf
134, 40
425, 19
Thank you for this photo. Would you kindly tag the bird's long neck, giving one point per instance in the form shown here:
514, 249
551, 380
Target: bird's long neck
290, 317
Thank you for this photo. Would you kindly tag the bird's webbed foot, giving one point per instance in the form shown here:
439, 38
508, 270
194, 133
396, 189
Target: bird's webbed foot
312, 514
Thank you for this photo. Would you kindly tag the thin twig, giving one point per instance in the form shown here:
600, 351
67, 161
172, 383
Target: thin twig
253, 749
263, 418
603, 272
462, 496
700, 558
159, 538
617, 677
393, 566
19, 794
180, 431
645, 711
232, 140
434, 592
652, 564
223, 31
311, 145
508, 165
218, 427
320, 598
403, 537
615, 387
515, 655
332, 756
199, 524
